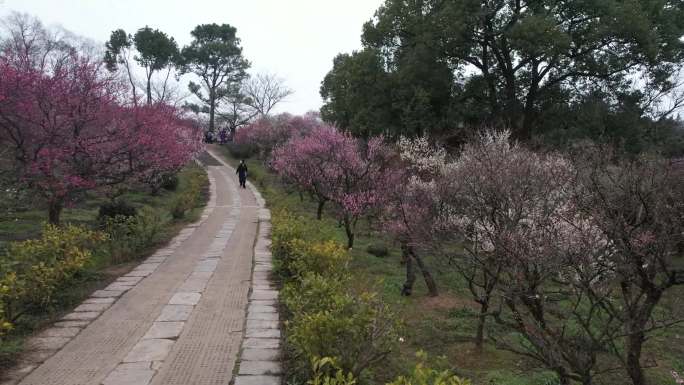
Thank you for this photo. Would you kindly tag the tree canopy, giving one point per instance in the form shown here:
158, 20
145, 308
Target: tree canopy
505, 62
215, 56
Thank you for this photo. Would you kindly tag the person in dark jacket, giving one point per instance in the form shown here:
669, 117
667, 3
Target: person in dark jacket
242, 173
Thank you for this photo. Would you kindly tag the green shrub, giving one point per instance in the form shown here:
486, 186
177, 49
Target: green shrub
286, 228
358, 332
327, 372
170, 182
117, 208
328, 258
190, 196
314, 293
423, 374
378, 249
33, 271
128, 236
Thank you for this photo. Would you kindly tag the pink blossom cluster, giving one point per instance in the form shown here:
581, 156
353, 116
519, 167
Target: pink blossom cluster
335, 167
70, 131
268, 132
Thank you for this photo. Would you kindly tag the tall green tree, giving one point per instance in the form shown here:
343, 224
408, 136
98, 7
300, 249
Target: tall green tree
118, 51
156, 51
509, 58
357, 94
215, 56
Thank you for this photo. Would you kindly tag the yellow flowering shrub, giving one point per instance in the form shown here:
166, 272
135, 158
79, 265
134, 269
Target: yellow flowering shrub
32, 271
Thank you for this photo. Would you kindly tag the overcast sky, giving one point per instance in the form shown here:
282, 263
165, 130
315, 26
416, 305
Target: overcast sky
296, 39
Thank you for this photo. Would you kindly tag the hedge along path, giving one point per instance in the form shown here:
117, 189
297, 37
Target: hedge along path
259, 362
177, 318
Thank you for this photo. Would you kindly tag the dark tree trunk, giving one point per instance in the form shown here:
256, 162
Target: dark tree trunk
634, 344
212, 109
407, 289
319, 211
429, 281
149, 89
54, 213
350, 232
481, 320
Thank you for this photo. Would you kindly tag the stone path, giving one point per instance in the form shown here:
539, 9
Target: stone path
180, 316
260, 354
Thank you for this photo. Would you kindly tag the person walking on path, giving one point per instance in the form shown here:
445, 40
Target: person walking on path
242, 173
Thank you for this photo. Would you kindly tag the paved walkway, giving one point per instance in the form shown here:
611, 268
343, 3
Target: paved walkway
178, 318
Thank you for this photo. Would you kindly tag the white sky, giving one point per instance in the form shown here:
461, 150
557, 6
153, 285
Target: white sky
296, 39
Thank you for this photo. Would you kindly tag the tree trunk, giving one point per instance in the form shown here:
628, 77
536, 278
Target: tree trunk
212, 109
407, 289
350, 233
481, 320
149, 88
634, 345
429, 281
319, 211
54, 213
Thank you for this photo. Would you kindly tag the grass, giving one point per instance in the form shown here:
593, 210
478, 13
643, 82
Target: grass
445, 325
27, 224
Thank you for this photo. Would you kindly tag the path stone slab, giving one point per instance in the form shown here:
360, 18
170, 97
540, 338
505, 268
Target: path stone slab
38, 356
72, 324
207, 265
122, 376
119, 286
262, 343
185, 299
129, 280
266, 302
260, 367
259, 354
89, 307
147, 267
262, 317
261, 324
81, 316
198, 275
100, 300
175, 313
262, 333
170, 330
193, 285
60, 332
263, 287
149, 350
138, 273
47, 343
254, 308
257, 380
107, 293
264, 294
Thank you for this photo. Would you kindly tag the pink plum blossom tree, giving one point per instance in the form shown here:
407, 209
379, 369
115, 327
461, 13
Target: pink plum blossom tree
267, 133
528, 252
69, 132
335, 167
